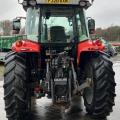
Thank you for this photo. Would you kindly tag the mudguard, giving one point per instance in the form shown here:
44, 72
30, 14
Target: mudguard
89, 46
26, 46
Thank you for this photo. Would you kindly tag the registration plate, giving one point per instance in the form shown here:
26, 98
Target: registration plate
58, 1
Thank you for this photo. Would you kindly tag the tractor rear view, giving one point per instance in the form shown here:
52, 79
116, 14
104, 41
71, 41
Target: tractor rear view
59, 59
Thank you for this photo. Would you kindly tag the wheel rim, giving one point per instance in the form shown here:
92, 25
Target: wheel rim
89, 93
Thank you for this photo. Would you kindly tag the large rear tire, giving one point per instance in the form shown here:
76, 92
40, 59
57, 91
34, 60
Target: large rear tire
16, 93
99, 97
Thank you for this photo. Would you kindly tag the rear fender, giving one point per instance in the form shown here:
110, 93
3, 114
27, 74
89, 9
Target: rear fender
26, 46
88, 48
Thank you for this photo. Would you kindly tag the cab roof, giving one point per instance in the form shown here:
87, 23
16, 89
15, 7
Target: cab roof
81, 3
62, 2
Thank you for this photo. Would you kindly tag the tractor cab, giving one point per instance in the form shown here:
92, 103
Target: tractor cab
56, 21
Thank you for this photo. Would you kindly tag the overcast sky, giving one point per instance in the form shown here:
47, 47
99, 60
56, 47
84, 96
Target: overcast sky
105, 12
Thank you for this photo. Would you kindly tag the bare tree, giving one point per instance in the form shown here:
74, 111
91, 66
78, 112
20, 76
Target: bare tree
111, 33
6, 26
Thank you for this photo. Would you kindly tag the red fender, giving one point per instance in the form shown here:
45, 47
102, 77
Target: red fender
26, 46
89, 46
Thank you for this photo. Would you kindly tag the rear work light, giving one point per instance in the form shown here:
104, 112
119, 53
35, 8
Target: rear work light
82, 3
32, 2
24, 3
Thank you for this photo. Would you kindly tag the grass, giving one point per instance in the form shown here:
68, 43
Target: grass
1, 70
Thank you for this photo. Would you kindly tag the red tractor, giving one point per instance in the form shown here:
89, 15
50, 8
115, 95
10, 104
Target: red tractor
59, 59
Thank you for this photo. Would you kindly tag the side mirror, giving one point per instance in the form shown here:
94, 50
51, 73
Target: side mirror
91, 26
17, 24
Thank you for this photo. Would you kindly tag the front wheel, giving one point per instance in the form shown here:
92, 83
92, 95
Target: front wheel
99, 97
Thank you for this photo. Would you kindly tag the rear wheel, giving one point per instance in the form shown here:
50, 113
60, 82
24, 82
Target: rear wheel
16, 92
99, 97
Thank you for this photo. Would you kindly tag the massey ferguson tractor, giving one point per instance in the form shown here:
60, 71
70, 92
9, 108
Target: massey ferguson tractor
58, 60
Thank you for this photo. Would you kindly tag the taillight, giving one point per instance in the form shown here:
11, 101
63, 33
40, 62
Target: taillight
19, 43
97, 42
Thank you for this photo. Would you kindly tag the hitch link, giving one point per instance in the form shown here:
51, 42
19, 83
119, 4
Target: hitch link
83, 86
